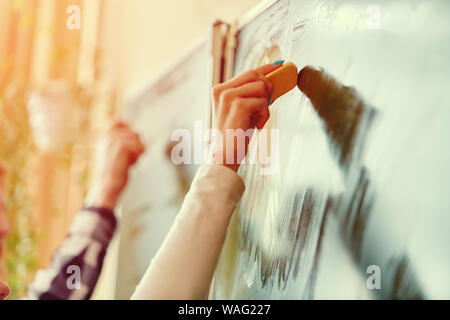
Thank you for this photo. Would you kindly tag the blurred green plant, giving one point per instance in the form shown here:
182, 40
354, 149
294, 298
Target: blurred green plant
20, 260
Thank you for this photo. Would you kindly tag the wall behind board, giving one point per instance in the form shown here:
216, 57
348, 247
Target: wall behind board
142, 37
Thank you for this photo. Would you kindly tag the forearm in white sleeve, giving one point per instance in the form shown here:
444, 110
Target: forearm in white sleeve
184, 265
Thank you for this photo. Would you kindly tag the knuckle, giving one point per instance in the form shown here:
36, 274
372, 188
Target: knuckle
263, 103
253, 74
240, 104
226, 97
268, 84
261, 86
217, 90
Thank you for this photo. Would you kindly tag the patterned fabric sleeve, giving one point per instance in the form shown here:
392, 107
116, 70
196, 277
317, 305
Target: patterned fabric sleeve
76, 265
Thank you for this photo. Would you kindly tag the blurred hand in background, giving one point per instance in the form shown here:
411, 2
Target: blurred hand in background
117, 151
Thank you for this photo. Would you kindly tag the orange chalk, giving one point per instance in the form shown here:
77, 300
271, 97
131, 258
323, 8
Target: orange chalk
283, 79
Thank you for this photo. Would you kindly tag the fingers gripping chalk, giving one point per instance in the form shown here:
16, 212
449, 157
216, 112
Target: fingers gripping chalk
283, 80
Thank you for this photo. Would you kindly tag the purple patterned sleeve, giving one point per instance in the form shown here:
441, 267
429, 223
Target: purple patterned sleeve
76, 265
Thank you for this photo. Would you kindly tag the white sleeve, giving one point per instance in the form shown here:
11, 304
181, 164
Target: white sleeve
184, 266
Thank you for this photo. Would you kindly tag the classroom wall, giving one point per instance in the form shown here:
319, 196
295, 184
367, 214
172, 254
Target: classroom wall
144, 36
